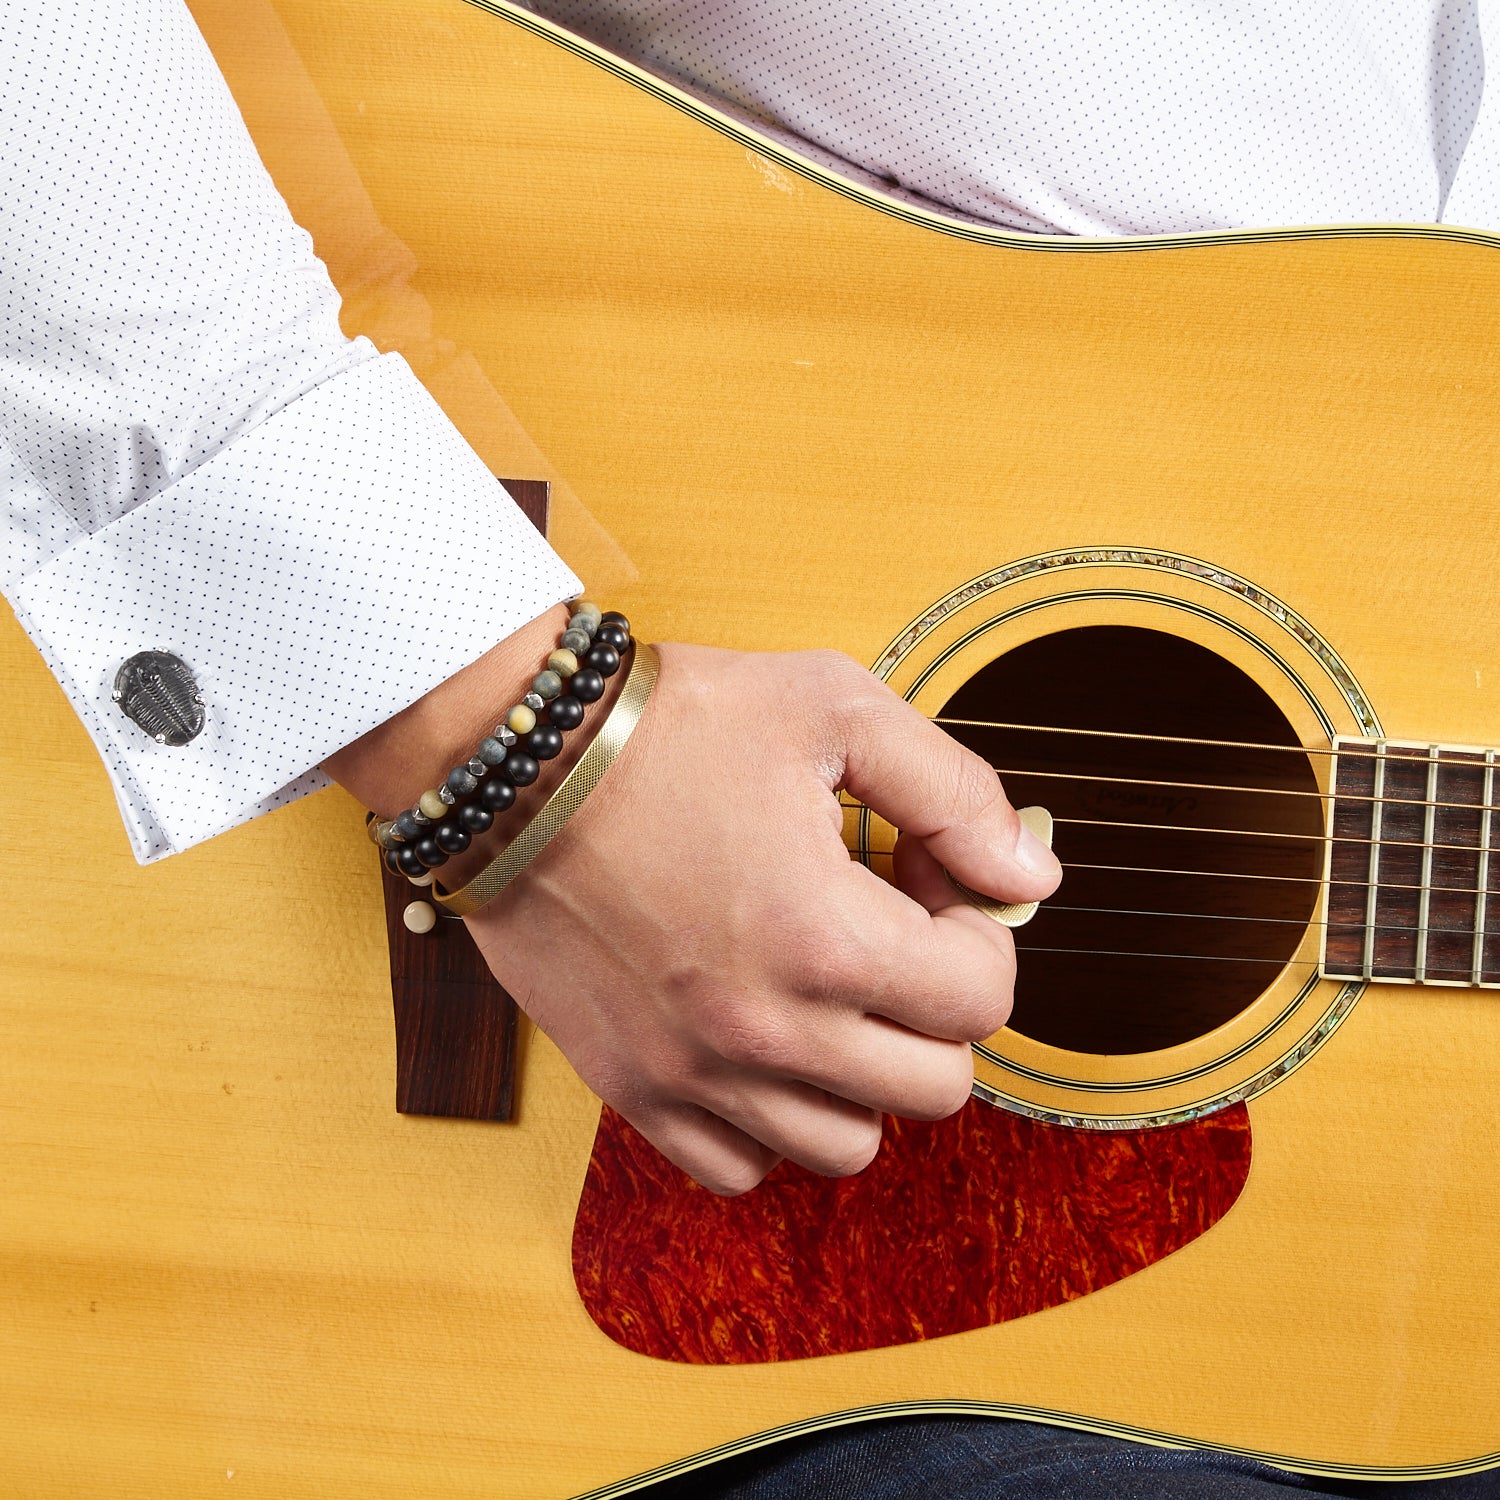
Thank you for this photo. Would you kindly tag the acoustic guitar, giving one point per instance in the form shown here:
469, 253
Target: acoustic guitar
1193, 537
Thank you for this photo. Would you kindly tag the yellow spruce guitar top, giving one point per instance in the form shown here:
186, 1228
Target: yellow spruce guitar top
1233, 488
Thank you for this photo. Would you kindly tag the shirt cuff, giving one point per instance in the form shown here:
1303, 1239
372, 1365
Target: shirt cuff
327, 569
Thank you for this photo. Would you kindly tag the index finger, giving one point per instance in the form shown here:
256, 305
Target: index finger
919, 778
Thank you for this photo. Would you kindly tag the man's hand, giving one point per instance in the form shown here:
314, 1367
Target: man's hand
698, 941
701, 947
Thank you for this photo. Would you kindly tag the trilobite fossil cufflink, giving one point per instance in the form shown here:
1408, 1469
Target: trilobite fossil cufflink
157, 691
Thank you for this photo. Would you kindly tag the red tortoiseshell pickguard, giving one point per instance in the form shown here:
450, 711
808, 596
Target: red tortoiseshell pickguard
970, 1221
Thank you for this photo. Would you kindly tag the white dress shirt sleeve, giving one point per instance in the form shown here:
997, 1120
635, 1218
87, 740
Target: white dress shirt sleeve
194, 458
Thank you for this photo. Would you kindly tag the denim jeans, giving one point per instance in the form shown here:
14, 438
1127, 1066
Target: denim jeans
965, 1458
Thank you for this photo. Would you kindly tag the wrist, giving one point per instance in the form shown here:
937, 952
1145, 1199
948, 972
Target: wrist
461, 868
389, 767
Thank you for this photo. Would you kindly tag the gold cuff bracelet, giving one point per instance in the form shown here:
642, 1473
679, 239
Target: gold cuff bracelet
568, 798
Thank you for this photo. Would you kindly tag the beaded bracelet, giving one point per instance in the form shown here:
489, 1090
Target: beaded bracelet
442, 822
520, 766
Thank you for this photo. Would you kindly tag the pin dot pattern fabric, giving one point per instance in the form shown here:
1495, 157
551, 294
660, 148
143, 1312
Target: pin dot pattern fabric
1136, 117
193, 456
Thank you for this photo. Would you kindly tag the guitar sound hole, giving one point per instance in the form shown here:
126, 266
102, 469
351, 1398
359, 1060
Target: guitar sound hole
1131, 955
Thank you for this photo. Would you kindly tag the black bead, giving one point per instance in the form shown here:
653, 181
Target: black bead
521, 768
605, 660
410, 861
566, 712
544, 742
477, 819
392, 858
614, 617
430, 853
498, 794
451, 838
586, 685
612, 635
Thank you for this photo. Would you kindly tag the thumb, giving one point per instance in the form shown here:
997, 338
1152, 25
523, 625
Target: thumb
940, 792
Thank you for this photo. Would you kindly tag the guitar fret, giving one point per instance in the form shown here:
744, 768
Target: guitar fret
1377, 808
1424, 901
1481, 900
1410, 865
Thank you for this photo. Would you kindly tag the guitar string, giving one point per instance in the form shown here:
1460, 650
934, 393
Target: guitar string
1242, 833
1349, 753
1206, 958
1348, 750
1400, 762
1267, 833
1380, 885
1212, 916
1260, 791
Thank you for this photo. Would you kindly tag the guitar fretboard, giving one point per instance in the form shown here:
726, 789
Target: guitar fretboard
1413, 877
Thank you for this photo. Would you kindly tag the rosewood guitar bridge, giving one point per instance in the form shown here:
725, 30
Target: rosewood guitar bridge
455, 1026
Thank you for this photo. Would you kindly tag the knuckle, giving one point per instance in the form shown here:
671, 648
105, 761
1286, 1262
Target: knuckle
829, 963
958, 1091
854, 1153
948, 1093
844, 689
826, 666
991, 1012
731, 1179
974, 788
978, 1015
744, 1034
988, 1005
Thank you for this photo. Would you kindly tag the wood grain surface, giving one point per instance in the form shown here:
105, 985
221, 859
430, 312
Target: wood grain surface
804, 417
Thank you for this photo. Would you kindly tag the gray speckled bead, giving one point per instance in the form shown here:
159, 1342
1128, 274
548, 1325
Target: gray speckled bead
461, 781
577, 641
491, 751
583, 623
546, 685
407, 827
477, 767
382, 831
589, 610
535, 702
